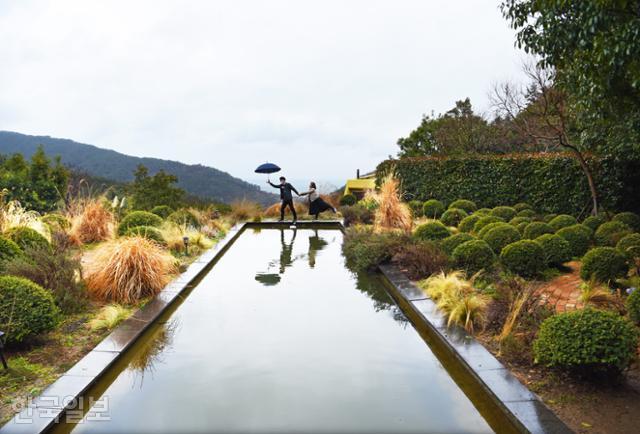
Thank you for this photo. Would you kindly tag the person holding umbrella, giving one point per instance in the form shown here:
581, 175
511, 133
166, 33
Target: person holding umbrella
286, 197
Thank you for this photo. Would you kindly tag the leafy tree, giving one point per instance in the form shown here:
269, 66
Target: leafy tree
38, 185
149, 191
595, 48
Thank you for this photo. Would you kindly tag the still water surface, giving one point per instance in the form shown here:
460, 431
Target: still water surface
281, 337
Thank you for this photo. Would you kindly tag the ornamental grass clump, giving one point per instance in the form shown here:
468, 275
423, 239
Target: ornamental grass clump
109, 316
128, 269
13, 215
92, 222
593, 293
392, 213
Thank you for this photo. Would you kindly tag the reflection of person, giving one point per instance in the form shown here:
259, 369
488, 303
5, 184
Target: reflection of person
286, 197
316, 203
315, 245
286, 251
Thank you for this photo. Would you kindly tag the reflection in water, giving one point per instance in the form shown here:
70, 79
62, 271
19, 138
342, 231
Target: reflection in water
371, 286
286, 250
316, 243
154, 349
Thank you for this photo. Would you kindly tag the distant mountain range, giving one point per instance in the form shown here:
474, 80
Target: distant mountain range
198, 180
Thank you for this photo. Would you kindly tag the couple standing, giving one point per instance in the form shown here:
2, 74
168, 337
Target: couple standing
316, 203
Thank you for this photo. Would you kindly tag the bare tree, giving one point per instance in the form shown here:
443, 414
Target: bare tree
540, 111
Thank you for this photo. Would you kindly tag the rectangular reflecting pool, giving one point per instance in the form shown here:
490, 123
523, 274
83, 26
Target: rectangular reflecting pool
280, 336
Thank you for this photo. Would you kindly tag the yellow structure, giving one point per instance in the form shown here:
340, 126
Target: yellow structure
359, 186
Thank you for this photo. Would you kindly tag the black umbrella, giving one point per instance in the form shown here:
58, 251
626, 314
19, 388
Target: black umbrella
267, 168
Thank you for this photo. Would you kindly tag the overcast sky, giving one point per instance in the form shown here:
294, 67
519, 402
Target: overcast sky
319, 87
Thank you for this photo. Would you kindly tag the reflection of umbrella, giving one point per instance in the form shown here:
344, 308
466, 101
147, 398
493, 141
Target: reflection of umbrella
267, 168
268, 279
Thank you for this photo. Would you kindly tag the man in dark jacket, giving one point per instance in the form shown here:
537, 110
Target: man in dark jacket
286, 197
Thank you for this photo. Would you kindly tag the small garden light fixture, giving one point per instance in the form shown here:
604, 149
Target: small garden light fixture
4, 362
185, 240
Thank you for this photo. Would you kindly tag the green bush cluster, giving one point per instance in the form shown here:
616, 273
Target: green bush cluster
548, 217
628, 218
579, 238
535, 229
473, 256
450, 243
517, 220
630, 245
26, 238
365, 250
467, 223
524, 257
8, 250
550, 182
522, 206
348, 200
26, 309
162, 211
453, 216
184, 217
467, 206
482, 232
605, 264
562, 221
500, 236
633, 306
594, 221
586, 340
148, 232
486, 220
138, 218
506, 213
432, 208
432, 231
556, 249
526, 213
609, 233
416, 208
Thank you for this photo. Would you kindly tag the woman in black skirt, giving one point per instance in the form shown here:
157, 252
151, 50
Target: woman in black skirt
316, 203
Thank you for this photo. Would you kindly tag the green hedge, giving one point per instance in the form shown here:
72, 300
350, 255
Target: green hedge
551, 182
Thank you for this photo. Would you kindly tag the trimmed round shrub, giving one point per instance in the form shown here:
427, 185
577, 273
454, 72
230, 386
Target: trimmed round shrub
586, 340
432, 208
348, 200
450, 243
579, 238
148, 232
484, 221
184, 217
524, 258
56, 221
26, 238
473, 256
534, 229
467, 223
521, 227
482, 232
138, 218
453, 216
630, 245
432, 231
162, 211
8, 249
628, 218
556, 249
504, 212
517, 220
416, 208
464, 204
604, 264
483, 211
522, 206
593, 222
26, 309
633, 306
609, 233
548, 217
526, 213
500, 236
562, 221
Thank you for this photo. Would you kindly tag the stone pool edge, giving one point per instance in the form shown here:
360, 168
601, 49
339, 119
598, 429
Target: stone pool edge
523, 408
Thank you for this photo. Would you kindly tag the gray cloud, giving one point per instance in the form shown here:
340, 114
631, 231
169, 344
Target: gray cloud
321, 88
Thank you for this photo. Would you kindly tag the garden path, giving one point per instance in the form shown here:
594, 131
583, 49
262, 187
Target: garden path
563, 292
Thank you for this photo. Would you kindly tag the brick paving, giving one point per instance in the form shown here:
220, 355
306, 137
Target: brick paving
563, 292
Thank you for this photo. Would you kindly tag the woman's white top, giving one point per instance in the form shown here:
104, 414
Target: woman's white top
313, 195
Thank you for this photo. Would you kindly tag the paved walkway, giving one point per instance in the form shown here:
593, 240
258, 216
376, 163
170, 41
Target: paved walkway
563, 292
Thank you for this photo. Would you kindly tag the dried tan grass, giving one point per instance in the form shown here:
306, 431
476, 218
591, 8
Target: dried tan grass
592, 293
244, 210
128, 269
274, 210
109, 316
174, 234
92, 222
13, 215
515, 308
391, 213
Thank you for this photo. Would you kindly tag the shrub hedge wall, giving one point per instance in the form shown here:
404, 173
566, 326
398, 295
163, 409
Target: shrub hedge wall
551, 182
